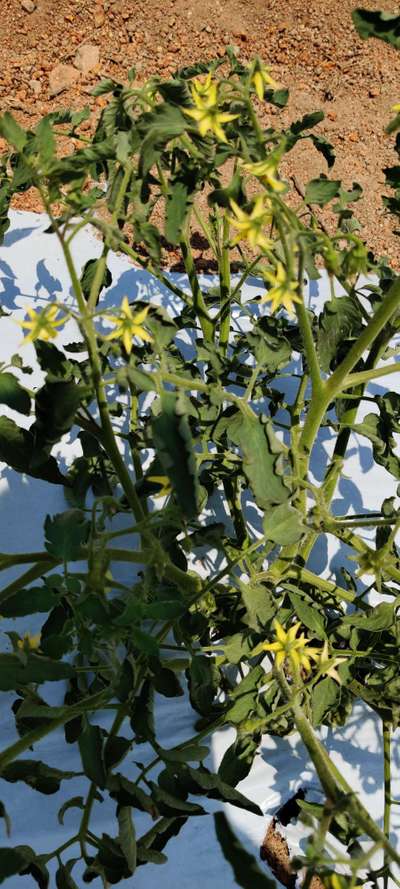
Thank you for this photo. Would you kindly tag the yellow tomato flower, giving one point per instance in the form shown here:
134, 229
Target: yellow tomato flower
327, 665
396, 108
265, 171
29, 643
164, 482
289, 646
42, 324
204, 92
129, 325
207, 113
282, 291
251, 224
261, 78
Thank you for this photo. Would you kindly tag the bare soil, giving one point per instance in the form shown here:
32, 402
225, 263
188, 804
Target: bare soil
311, 46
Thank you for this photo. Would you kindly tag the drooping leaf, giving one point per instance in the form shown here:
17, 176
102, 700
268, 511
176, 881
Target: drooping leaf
262, 459
13, 394
340, 321
36, 774
76, 802
323, 697
14, 673
238, 759
202, 781
127, 837
91, 748
88, 275
245, 869
17, 449
309, 616
174, 447
12, 132
203, 683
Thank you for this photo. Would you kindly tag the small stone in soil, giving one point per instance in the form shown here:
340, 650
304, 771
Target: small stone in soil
28, 5
61, 78
87, 57
35, 86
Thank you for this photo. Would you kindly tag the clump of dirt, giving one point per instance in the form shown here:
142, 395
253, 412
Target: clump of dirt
311, 46
275, 849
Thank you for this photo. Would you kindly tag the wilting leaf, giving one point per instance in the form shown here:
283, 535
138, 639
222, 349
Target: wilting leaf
65, 534
321, 191
13, 394
13, 672
17, 448
283, 524
174, 447
91, 744
262, 459
36, 774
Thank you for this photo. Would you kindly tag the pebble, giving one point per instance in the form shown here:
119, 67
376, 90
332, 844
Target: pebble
373, 92
87, 58
28, 5
35, 86
61, 78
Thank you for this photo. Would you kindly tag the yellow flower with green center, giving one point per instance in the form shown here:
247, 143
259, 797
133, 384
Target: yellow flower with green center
291, 647
251, 225
205, 91
261, 78
164, 482
265, 171
283, 291
129, 325
42, 325
29, 643
327, 665
207, 113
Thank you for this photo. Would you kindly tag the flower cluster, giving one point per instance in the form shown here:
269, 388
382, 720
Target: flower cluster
207, 113
298, 652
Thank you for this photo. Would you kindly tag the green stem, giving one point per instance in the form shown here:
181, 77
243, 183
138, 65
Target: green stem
199, 305
225, 287
386, 732
364, 376
14, 750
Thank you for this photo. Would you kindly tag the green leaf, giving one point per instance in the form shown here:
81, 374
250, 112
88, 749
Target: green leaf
204, 782
64, 880
157, 128
174, 447
341, 320
283, 524
14, 672
271, 351
126, 793
176, 210
76, 802
144, 642
191, 753
262, 458
323, 698
12, 861
142, 718
309, 616
12, 132
325, 148
7, 819
88, 275
279, 98
13, 394
383, 25
244, 697
127, 837
31, 601
259, 603
36, 774
17, 447
321, 191
238, 759
56, 404
381, 617
246, 871
203, 684
307, 122
65, 534
91, 744
170, 805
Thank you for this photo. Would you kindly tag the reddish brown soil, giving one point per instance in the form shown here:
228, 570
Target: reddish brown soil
311, 46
